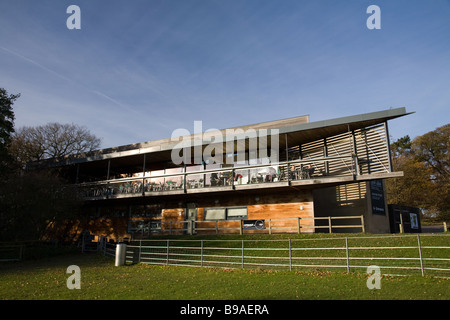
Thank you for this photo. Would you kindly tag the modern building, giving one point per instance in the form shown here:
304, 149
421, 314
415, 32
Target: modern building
289, 175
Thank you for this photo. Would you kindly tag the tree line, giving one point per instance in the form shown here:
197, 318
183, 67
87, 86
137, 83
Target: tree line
426, 182
34, 202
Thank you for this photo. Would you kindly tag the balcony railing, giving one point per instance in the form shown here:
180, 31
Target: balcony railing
225, 178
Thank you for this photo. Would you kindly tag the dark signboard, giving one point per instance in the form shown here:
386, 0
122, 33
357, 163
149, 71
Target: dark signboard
406, 218
254, 225
377, 197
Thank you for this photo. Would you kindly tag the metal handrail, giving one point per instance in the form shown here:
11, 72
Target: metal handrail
225, 169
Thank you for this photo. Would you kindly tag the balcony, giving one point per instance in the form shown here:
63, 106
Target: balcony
294, 173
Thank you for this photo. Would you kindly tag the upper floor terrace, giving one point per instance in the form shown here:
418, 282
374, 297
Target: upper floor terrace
294, 153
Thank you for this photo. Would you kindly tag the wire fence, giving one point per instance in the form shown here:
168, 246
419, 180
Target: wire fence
402, 255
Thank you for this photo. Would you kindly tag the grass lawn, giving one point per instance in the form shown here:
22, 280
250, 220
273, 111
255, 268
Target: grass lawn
45, 279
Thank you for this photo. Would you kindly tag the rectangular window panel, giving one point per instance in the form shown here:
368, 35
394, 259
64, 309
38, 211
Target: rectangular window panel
215, 214
236, 212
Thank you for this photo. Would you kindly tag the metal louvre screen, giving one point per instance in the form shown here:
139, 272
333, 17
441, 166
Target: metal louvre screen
315, 149
337, 146
372, 149
370, 145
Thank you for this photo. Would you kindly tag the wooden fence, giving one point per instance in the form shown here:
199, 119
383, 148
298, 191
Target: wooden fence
268, 226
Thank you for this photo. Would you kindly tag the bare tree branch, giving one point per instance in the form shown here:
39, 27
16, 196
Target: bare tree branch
52, 140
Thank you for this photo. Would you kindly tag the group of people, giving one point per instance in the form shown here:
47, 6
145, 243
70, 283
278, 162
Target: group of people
304, 172
224, 178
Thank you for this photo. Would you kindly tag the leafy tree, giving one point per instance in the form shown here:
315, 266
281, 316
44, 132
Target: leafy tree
432, 149
401, 147
426, 182
6, 127
32, 202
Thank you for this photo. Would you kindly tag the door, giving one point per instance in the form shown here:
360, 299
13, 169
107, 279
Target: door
191, 216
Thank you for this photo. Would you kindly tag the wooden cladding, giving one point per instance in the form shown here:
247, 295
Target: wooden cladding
288, 205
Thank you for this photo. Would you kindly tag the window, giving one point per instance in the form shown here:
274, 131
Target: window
236, 213
215, 214
233, 213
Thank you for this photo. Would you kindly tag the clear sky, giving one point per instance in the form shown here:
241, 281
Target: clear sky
137, 70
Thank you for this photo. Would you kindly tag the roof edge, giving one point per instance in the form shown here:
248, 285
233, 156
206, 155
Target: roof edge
167, 144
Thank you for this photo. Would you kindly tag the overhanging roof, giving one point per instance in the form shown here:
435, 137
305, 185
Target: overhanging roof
296, 130
312, 131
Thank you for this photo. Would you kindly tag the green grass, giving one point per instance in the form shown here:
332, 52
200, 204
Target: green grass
46, 279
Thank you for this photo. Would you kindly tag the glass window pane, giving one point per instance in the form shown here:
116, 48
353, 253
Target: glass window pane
237, 212
215, 214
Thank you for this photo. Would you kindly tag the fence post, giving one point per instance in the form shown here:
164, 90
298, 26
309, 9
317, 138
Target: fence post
298, 224
240, 227
347, 254
140, 248
121, 252
420, 255
167, 261
445, 226
270, 227
290, 255
329, 224
242, 253
201, 253
362, 224
21, 252
401, 223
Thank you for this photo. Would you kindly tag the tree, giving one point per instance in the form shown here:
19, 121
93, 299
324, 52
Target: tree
34, 201
52, 140
31, 203
401, 147
431, 149
426, 182
6, 127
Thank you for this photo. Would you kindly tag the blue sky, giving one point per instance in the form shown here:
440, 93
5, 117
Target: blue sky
138, 70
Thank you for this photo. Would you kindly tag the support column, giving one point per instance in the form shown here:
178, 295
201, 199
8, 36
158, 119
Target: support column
108, 169
388, 146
